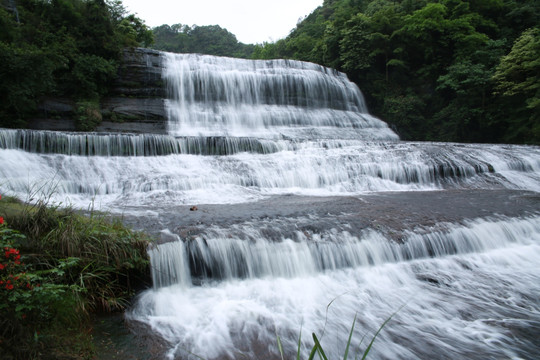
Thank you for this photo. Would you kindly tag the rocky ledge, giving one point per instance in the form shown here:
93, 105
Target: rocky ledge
392, 213
135, 103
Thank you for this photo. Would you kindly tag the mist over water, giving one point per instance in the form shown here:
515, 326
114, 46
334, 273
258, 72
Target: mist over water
243, 132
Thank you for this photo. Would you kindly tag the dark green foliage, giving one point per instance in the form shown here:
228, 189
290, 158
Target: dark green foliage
448, 70
107, 260
67, 48
88, 115
26, 74
210, 40
517, 80
57, 267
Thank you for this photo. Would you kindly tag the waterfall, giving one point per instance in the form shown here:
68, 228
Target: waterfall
311, 213
92, 144
268, 98
218, 255
313, 168
467, 291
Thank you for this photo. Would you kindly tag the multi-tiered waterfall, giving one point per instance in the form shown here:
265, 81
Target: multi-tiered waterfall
310, 212
276, 99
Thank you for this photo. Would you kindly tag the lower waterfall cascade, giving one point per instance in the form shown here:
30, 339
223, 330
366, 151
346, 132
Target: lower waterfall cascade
311, 213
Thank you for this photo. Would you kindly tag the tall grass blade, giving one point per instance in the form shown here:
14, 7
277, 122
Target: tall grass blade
350, 338
361, 341
378, 331
326, 312
280, 347
320, 350
313, 352
299, 345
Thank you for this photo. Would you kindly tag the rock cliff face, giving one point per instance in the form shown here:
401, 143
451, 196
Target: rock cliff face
135, 103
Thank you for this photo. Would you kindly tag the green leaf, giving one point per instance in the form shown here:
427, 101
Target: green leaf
379, 330
280, 347
396, 62
320, 350
350, 338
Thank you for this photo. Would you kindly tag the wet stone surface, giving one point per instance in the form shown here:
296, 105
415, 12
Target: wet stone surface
115, 338
391, 213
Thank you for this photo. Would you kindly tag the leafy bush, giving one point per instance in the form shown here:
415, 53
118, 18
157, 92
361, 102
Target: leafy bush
88, 116
67, 48
56, 267
33, 299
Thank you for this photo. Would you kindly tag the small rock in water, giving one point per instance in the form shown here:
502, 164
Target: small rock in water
193, 208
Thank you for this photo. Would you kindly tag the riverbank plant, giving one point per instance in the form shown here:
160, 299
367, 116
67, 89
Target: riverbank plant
58, 267
318, 349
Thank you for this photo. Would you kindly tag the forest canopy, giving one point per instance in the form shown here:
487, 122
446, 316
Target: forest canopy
208, 39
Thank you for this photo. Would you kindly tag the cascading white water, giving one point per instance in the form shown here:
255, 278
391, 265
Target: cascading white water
91, 144
317, 143
116, 182
242, 131
217, 254
269, 99
467, 292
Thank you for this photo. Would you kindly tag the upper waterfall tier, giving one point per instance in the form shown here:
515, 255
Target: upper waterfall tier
217, 96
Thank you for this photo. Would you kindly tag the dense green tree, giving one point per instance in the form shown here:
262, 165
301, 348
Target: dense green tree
452, 70
26, 74
135, 32
211, 40
68, 48
269, 50
173, 38
430, 68
518, 81
356, 43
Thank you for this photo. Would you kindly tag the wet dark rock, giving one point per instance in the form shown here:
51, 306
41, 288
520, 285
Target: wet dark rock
135, 103
114, 338
392, 214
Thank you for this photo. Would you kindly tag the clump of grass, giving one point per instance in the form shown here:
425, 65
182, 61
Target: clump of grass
60, 266
109, 260
318, 349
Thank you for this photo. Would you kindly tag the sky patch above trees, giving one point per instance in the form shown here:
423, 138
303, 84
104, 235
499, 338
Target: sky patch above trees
252, 21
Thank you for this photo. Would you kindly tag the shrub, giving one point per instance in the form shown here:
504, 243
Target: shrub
56, 267
33, 300
88, 115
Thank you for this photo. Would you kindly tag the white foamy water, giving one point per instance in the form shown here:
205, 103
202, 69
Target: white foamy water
212, 95
242, 131
250, 250
114, 182
475, 297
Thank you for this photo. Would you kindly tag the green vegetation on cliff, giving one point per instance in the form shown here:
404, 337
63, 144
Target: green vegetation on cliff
66, 48
210, 40
447, 70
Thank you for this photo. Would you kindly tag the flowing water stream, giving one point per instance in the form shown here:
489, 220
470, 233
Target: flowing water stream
311, 212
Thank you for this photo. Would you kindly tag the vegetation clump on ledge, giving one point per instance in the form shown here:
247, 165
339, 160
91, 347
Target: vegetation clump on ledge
57, 267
